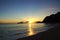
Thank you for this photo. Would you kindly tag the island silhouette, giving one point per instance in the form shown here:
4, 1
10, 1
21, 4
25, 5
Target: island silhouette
22, 22
51, 34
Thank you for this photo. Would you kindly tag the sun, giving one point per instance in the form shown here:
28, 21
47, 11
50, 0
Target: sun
32, 20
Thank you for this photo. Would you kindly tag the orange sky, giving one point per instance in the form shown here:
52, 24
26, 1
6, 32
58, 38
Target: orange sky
18, 20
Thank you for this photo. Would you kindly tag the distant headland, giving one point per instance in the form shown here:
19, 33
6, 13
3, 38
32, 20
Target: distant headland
54, 18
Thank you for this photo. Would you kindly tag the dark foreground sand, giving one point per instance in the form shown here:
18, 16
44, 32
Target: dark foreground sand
51, 34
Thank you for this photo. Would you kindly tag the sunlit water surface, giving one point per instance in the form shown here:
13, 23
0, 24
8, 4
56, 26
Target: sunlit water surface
15, 31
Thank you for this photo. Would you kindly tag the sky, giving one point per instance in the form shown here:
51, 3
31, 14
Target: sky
12, 11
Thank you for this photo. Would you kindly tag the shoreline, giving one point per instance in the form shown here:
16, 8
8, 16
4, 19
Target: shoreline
50, 34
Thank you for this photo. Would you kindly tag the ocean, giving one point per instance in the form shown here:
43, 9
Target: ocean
15, 31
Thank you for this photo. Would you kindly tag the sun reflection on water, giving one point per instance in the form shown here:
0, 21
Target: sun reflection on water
30, 30
30, 25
